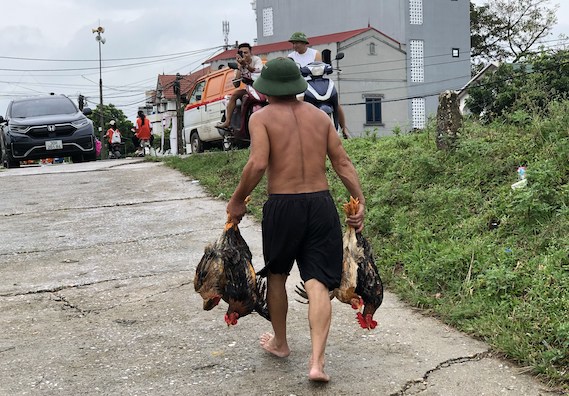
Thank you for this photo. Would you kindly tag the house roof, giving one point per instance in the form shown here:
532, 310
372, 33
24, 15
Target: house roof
166, 83
489, 68
285, 45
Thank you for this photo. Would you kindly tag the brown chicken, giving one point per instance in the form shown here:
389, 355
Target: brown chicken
226, 273
361, 285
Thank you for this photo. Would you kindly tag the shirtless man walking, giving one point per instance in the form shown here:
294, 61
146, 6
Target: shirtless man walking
290, 141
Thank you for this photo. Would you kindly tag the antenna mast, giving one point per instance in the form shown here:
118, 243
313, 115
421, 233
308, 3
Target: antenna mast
226, 34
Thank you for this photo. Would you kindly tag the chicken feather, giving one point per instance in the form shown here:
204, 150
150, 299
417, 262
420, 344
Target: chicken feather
360, 285
226, 272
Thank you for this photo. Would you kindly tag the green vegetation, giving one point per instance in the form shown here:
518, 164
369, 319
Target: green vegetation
515, 91
451, 236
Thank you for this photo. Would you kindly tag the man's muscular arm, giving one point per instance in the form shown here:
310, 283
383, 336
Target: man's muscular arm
253, 170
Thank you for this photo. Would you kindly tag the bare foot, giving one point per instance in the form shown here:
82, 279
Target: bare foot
267, 342
316, 372
318, 375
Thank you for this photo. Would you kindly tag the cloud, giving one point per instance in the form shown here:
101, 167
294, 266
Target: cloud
142, 30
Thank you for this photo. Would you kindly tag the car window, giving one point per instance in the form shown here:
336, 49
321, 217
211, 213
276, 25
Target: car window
198, 90
42, 107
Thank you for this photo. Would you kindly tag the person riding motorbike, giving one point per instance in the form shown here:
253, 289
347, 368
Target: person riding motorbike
322, 93
249, 68
114, 139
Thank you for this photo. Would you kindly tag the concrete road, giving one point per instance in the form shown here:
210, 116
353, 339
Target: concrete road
97, 262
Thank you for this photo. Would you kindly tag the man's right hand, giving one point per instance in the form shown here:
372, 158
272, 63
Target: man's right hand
236, 209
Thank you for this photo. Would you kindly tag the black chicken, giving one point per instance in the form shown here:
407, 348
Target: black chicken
226, 273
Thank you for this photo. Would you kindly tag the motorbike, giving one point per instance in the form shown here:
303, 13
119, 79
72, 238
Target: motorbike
238, 132
115, 150
321, 91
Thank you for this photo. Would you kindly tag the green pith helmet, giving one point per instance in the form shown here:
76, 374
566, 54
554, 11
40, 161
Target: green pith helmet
280, 77
298, 36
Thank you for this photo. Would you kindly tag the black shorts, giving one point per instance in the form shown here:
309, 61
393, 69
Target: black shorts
306, 228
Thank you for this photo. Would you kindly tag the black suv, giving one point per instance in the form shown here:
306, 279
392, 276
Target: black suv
46, 127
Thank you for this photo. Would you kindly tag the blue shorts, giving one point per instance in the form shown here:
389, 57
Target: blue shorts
306, 228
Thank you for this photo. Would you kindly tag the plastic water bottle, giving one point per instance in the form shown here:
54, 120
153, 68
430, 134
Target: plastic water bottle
521, 172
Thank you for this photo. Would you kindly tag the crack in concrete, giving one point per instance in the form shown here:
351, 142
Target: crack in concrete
97, 244
66, 287
119, 204
447, 363
67, 304
2, 350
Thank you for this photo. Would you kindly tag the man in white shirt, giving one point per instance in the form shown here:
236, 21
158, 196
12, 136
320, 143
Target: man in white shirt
249, 69
302, 54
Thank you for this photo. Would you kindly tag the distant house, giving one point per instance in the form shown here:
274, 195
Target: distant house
161, 103
434, 36
463, 92
370, 79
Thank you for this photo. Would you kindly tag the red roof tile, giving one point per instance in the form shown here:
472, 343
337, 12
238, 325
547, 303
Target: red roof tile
285, 45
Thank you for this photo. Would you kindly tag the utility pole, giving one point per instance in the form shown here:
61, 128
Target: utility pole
178, 93
101, 40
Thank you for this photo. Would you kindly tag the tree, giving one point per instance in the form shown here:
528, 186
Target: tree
522, 87
509, 29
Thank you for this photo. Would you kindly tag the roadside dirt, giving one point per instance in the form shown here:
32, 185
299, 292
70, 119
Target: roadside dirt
97, 263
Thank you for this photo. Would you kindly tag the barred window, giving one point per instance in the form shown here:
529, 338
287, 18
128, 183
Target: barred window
418, 112
267, 21
417, 61
416, 12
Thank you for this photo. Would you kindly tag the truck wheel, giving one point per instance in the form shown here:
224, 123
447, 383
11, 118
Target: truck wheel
197, 144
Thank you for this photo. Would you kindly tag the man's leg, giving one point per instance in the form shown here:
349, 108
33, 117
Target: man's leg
278, 308
319, 319
230, 107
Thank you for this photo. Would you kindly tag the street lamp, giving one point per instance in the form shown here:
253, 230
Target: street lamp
101, 40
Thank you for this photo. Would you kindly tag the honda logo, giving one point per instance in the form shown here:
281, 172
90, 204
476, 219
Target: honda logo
51, 128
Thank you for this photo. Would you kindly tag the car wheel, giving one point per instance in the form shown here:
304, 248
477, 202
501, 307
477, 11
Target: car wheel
90, 156
7, 160
197, 144
227, 144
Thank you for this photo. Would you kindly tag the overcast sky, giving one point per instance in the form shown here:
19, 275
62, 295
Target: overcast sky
54, 49
141, 32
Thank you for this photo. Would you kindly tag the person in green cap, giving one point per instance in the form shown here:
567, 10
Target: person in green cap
302, 54
290, 141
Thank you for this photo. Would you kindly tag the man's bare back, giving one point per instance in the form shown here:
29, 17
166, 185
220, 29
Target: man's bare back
302, 135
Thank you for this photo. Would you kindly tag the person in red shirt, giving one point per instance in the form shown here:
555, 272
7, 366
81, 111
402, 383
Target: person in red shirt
143, 131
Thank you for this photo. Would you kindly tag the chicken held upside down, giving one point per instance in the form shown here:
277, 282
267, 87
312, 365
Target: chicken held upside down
361, 285
225, 272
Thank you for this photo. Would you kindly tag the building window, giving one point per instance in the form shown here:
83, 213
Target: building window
267, 22
455, 52
418, 112
417, 61
416, 12
373, 109
372, 48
